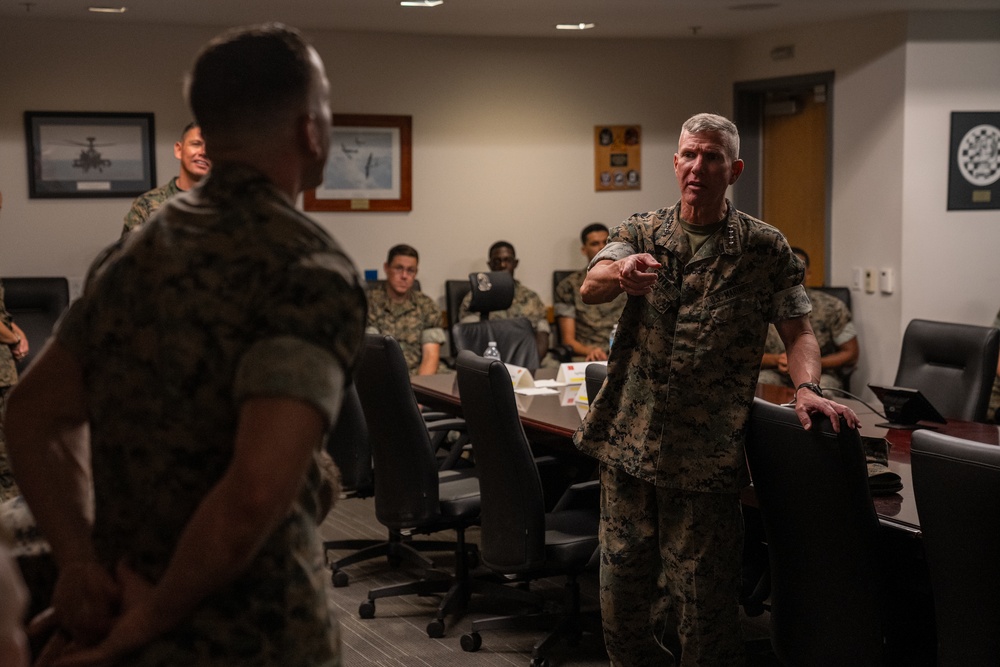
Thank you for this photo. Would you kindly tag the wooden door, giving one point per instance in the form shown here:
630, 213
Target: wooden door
794, 176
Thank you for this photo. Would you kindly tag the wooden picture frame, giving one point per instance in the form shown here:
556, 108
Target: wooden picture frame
89, 154
369, 168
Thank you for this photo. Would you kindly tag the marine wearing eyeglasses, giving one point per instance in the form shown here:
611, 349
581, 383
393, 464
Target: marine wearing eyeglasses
406, 314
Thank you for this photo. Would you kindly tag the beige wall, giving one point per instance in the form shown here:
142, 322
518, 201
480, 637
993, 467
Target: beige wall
502, 135
502, 144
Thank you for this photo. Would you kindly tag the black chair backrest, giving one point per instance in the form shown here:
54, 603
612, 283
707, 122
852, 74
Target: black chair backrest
827, 590
953, 365
594, 376
515, 338
454, 292
406, 473
956, 485
35, 304
557, 277
491, 290
842, 293
347, 444
512, 506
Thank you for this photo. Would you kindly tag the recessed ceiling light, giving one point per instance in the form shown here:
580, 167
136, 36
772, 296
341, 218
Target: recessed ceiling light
421, 3
108, 10
574, 26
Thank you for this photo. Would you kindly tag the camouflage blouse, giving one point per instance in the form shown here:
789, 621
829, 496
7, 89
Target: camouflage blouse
683, 369
8, 368
145, 205
593, 320
414, 322
228, 293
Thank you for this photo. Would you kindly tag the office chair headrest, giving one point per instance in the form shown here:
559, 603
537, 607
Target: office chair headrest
493, 290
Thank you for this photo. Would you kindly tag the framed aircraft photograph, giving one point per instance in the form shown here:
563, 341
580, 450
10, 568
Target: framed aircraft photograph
369, 168
89, 154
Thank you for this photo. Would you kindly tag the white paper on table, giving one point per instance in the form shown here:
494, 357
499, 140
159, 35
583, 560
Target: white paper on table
520, 376
574, 372
549, 383
534, 391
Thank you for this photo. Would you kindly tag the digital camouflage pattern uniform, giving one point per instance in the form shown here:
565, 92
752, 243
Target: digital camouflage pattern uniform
668, 428
831, 322
8, 378
526, 303
991, 413
228, 293
146, 204
413, 322
593, 320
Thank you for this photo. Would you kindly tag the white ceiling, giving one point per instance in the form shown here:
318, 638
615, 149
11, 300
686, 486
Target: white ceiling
525, 18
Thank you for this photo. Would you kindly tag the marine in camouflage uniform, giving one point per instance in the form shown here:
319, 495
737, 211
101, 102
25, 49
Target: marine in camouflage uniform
832, 325
991, 413
668, 428
146, 204
413, 323
229, 294
526, 304
593, 321
8, 378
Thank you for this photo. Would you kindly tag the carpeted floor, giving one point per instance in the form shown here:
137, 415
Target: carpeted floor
396, 636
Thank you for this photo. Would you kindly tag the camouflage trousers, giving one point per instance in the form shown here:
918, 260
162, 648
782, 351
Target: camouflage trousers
670, 574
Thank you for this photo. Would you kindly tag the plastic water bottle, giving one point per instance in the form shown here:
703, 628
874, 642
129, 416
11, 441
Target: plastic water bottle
491, 351
611, 338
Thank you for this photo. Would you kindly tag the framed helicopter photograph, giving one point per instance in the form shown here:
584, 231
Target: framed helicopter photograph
89, 154
369, 167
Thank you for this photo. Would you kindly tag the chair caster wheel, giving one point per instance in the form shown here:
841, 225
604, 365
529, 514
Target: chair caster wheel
339, 579
435, 629
472, 642
367, 609
539, 662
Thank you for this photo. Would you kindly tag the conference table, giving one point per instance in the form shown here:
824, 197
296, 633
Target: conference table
551, 425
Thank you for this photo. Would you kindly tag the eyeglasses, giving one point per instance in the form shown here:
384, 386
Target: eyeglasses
408, 270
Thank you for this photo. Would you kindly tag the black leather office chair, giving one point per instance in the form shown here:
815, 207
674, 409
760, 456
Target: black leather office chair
518, 537
827, 586
454, 292
842, 293
348, 446
953, 365
956, 484
35, 304
515, 337
411, 495
594, 376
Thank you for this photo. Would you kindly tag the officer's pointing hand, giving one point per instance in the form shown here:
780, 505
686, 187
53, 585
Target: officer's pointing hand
637, 274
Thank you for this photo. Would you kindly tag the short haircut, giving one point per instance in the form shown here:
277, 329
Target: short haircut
710, 122
246, 79
187, 128
404, 250
498, 245
799, 251
590, 229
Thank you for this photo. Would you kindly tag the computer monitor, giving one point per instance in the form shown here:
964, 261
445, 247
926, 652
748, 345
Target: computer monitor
904, 407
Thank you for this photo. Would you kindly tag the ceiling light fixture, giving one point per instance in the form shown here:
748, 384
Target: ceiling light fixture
108, 10
574, 26
421, 3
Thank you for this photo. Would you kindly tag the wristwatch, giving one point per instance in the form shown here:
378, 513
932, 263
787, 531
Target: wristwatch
811, 386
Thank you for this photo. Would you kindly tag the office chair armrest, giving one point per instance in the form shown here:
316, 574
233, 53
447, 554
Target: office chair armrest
450, 424
562, 353
583, 495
